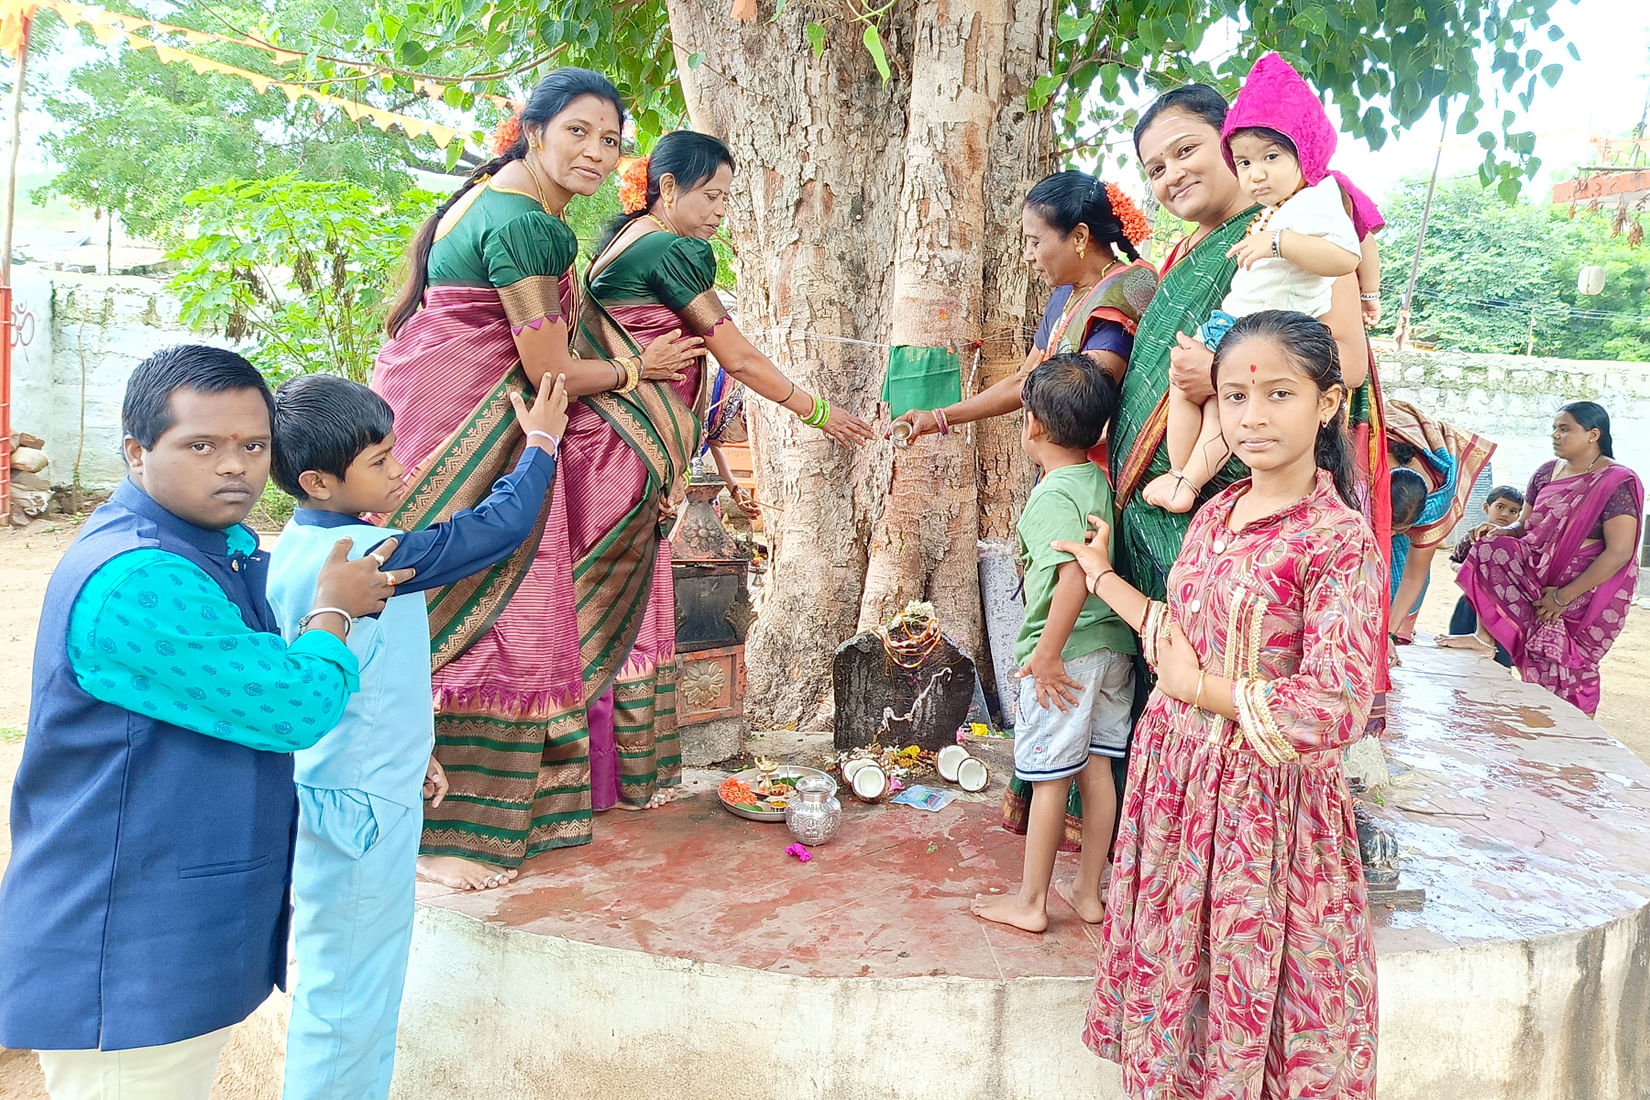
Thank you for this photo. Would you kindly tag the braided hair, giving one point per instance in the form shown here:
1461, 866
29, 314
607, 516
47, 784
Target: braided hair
1068, 199
553, 95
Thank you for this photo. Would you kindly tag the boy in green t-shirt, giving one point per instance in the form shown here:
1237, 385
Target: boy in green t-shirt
1076, 672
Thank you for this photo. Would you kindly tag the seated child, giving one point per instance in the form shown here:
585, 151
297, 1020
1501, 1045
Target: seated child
1077, 672
1279, 141
360, 810
1502, 508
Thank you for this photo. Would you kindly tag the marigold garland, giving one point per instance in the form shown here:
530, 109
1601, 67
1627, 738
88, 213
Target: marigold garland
633, 186
506, 134
1135, 226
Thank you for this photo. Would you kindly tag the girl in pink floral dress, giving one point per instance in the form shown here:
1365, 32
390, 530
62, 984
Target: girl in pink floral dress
1235, 955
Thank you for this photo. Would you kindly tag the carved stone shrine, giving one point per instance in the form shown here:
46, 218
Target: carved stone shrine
713, 613
898, 694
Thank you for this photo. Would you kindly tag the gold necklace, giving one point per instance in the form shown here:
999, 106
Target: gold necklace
538, 184
658, 221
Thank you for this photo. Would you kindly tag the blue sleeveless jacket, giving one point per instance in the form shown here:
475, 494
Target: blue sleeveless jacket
146, 899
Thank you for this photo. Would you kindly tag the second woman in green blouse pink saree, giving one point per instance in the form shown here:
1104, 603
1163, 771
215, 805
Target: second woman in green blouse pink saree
656, 273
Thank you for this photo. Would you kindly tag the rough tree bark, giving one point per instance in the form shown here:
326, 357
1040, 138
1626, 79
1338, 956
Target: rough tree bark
864, 211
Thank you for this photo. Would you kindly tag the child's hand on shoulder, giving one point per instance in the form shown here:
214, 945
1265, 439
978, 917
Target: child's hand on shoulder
435, 782
1054, 688
1094, 556
549, 411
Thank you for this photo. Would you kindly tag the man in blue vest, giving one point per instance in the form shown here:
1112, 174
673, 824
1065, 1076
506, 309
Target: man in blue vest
144, 911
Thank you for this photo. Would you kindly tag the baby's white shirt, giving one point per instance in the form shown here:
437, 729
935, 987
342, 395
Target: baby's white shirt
1275, 283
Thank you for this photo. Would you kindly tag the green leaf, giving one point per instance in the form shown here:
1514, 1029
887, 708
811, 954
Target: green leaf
1042, 90
412, 54
1311, 19
879, 57
1551, 74
778, 10
816, 38
1487, 140
695, 60
1069, 28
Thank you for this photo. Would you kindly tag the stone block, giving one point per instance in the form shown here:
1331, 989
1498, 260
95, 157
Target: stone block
29, 459
33, 503
22, 479
878, 700
707, 743
24, 439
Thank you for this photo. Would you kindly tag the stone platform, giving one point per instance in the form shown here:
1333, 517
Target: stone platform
683, 954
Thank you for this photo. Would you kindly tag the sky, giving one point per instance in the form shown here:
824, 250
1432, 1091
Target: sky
1602, 94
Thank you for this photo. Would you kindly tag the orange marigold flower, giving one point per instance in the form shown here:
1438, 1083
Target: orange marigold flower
1135, 226
506, 134
633, 186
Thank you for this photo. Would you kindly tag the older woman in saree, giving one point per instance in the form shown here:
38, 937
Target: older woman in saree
486, 310
654, 273
1554, 587
1080, 235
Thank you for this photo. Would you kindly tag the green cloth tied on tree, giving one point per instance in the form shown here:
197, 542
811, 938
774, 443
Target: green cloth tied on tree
921, 378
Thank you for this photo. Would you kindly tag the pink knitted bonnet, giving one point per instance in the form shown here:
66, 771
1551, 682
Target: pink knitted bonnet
1277, 98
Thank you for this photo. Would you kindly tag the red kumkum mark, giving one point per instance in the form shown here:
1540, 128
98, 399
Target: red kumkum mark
1253, 368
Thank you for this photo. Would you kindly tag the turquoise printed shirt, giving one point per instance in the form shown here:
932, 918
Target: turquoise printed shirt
151, 633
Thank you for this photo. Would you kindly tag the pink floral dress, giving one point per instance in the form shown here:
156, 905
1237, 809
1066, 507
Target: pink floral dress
1236, 959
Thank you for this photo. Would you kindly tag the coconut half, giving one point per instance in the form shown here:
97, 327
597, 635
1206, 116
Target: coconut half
947, 759
850, 767
870, 783
973, 775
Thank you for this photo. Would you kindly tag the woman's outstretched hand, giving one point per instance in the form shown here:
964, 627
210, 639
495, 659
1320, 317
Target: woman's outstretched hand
666, 358
1094, 555
848, 429
922, 421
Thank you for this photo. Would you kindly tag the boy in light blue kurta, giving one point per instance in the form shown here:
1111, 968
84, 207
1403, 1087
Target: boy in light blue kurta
360, 791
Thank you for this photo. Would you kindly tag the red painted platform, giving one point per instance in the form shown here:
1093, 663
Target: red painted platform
887, 898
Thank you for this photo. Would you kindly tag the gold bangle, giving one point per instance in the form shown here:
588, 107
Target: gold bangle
1197, 696
632, 366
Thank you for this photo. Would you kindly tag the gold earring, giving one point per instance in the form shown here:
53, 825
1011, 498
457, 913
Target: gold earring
1082, 248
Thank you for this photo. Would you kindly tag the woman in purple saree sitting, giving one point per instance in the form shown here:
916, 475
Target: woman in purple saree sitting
1553, 588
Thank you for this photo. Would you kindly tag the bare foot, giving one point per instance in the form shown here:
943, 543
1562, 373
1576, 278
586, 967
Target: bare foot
664, 796
1009, 909
1469, 642
463, 874
1090, 908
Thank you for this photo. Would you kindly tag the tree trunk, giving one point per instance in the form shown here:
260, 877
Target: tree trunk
863, 209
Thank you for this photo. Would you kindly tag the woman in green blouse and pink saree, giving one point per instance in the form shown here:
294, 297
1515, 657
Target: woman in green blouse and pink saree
655, 273
488, 309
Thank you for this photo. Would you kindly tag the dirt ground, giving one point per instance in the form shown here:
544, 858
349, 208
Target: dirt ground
27, 558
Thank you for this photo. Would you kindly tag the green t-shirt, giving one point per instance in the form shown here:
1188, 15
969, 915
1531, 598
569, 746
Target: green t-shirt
1058, 508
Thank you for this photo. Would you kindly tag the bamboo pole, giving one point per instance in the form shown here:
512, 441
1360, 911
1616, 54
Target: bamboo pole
12, 155
1400, 331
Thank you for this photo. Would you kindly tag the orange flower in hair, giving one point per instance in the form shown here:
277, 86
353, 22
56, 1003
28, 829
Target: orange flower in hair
1135, 226
633, 186
506, 134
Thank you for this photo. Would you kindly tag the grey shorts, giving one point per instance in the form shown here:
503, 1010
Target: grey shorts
1050, 744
